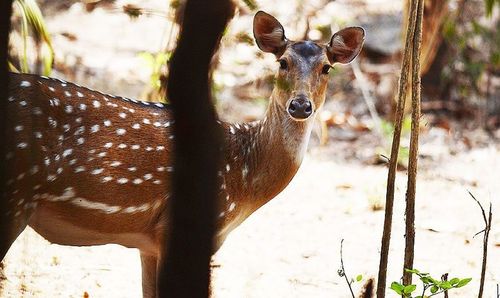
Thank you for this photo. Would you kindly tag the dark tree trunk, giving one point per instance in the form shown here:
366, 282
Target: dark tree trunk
186, 267
5, 13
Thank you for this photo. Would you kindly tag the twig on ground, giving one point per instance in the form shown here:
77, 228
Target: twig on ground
342, 272
487, 228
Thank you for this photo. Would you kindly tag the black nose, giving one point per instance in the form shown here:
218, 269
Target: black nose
300, 108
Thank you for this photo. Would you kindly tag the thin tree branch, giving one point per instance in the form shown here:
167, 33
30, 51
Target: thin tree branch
391, 176
444, 277
413, 157
369, 100
487, 228
342, 269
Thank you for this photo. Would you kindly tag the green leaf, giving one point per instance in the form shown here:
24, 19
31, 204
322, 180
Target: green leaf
412, 271
434, 289
397, 287
409, 289
445, 285
463, 282
454, 281
359, 277
426, 280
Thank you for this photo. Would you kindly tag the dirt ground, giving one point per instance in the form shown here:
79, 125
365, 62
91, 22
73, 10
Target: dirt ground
290, 247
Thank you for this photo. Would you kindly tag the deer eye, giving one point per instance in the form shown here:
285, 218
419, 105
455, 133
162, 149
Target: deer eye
326, 69
283, 64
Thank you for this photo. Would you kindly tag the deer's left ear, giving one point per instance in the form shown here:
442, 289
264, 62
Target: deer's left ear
345, 45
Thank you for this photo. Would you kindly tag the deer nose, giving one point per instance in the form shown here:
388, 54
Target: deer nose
300, 108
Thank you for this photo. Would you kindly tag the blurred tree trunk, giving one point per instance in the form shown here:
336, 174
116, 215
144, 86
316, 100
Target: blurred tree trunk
435, 13
185, 271
5, 13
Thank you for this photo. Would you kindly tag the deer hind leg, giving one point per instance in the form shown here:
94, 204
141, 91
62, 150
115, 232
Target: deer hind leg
149, 264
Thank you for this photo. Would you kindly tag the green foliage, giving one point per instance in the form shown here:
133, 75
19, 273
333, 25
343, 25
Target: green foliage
33, 24
387, 129
251, 4
490, 4
475, 51
156, 63
428, 283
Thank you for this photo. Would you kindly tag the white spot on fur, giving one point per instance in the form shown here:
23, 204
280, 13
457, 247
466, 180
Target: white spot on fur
25, 84
67, 152
122, 180
115, 164
107, 179
97, 171
37, 111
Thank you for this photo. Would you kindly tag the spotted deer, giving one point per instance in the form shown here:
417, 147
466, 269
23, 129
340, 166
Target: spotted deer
87, 168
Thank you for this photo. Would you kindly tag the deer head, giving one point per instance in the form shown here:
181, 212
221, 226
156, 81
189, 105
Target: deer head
303, 65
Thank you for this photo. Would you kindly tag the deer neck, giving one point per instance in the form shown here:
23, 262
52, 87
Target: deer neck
264, 156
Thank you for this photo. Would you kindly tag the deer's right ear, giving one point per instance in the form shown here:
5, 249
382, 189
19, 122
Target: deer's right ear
269, 33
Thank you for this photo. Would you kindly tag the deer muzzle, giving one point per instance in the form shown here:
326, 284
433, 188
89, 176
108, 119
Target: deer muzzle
300, 108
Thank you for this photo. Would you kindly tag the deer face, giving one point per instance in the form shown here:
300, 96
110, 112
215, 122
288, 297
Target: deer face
303, 65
